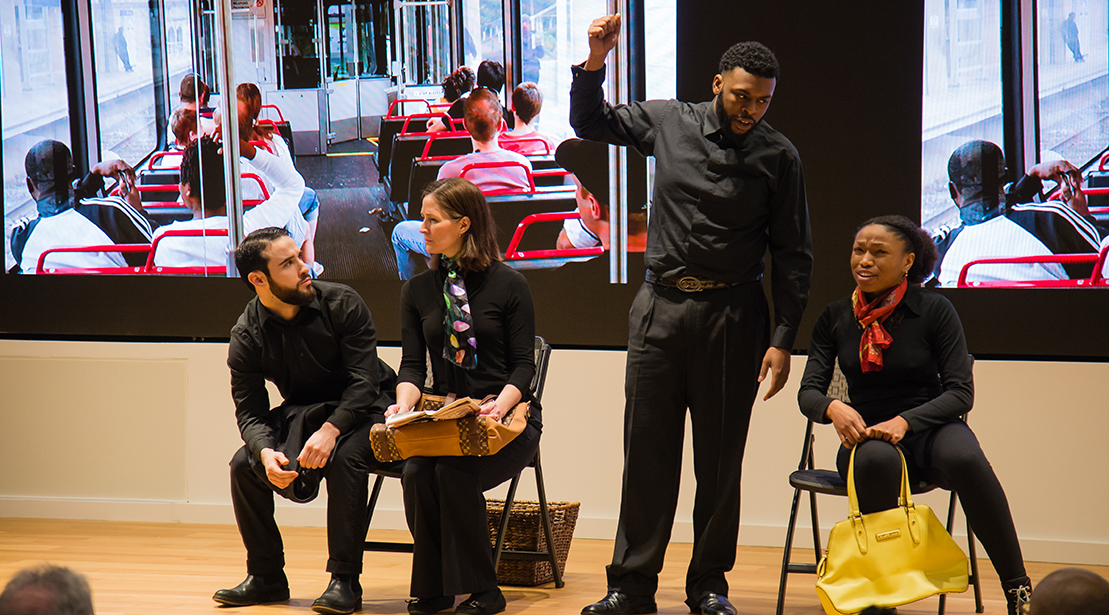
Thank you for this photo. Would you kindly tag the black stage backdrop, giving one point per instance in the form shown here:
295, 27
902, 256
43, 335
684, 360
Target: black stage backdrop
849, 98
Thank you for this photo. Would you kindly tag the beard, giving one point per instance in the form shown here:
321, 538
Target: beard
293, 295
726, 121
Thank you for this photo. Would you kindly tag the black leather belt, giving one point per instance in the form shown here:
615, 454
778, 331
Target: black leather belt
689, 283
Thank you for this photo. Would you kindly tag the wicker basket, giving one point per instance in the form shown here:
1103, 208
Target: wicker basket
525, 533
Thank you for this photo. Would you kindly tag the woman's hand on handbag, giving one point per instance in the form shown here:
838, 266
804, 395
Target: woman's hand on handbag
490, 408
849, 424
393, 409
891, 431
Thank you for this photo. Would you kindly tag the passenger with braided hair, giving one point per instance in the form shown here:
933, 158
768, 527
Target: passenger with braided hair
903, 353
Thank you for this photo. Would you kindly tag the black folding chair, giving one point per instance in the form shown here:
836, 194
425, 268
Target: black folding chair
809, 478
542, 359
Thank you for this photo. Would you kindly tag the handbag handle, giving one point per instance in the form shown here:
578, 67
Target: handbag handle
906, 502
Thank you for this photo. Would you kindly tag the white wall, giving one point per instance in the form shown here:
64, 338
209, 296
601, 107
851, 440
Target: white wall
144, 431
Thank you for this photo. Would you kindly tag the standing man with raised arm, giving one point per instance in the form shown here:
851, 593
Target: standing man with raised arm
316, 341
727, 187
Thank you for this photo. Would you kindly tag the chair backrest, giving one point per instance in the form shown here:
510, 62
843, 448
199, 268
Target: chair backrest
542, 359
1061, 259
837, 388
510, 210
514, 253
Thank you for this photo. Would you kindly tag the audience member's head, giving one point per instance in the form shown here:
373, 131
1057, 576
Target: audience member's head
183, 125
917, 241
527, 101
977, 172
459, 198
490, 75
46, 590
193, 91
458, 83
202, 187
49, 167
1071, 591
483, 115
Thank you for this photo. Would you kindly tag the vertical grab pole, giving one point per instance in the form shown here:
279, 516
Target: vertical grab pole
229, 131
619, 93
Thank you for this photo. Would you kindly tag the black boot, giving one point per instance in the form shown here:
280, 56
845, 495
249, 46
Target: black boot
343, 595
1018, 592
256, 589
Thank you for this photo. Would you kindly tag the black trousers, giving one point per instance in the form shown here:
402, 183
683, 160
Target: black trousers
347, 474
950, 457
445, 507
700, 351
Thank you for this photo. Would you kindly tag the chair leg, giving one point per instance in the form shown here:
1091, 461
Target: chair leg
548, 530
975, 579
372, 506
503, 528
817, 550
788, 549
950, 528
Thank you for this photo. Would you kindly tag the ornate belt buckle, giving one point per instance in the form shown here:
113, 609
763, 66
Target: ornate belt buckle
690, 284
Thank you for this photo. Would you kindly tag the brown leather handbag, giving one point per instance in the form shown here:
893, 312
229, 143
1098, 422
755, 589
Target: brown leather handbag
476, 436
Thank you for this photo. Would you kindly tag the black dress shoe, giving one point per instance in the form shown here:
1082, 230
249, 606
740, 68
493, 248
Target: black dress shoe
619, 603
429, 606
483, 603
343, 595
255, 590
714, 604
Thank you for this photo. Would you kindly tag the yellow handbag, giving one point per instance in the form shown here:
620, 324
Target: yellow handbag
888, 558
473, 436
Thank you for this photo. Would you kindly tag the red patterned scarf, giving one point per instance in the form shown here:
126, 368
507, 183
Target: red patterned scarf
871, 316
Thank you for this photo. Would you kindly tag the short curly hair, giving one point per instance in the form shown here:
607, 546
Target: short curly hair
752, 57
917, 241
458, 83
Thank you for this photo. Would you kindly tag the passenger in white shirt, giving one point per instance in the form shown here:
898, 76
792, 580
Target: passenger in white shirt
68, 217
208, 203
996, 222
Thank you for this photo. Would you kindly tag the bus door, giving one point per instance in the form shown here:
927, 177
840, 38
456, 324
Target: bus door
341, 48
301, 94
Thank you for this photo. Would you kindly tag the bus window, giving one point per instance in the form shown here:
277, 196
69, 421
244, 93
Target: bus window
1071, 77
483, 38
32, 96
125, 81
179, 44
557, 31
373, 31
300, 62
962, 94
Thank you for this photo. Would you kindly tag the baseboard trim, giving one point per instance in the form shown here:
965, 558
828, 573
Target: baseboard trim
391, 517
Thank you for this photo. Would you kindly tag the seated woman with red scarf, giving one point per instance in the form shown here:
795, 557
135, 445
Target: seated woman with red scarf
903, 354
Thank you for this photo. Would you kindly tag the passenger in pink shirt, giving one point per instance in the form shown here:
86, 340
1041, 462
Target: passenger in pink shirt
483, 119
527, 102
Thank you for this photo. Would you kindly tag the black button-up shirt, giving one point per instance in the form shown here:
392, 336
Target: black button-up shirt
718, 203
326, 353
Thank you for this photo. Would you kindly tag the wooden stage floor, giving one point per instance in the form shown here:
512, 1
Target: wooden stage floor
145, 568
